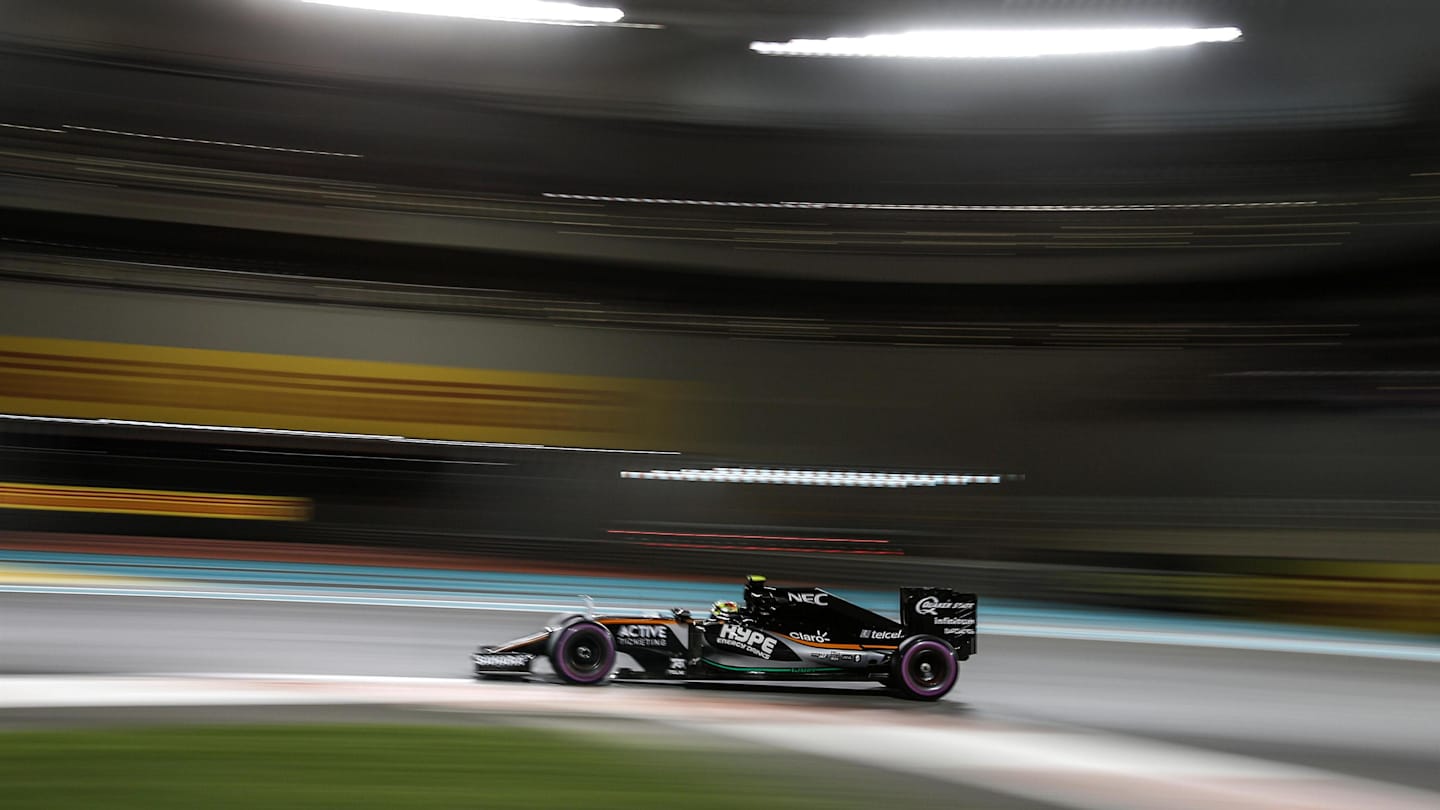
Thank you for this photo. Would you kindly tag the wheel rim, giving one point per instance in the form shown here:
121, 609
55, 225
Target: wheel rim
583, 656
928, 669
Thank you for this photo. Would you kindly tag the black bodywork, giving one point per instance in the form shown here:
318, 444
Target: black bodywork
781, 633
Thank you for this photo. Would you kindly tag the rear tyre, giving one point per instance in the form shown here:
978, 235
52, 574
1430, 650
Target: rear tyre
924, 668
582, 653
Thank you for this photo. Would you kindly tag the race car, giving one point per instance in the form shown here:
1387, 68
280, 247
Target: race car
779, 634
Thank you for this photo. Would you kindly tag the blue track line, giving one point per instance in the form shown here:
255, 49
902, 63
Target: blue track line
376, 577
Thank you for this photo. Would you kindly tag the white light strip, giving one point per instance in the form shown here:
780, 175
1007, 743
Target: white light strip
812, 478
231, 144
319, 434
523, 11
998, 43
926, 207
33, 129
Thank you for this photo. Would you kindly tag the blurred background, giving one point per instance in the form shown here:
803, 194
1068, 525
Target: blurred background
1150, 330
1179, 300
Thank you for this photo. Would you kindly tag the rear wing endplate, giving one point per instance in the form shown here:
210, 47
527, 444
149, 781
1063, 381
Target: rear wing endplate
940, 612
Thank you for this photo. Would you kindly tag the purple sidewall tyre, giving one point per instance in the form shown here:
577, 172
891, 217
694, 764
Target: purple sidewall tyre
583, 653
925, 669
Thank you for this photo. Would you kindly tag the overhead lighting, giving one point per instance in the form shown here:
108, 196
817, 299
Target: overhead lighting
813, 478
528, 11
998, 43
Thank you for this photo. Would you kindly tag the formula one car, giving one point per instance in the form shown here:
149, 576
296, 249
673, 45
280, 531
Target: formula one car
779, 634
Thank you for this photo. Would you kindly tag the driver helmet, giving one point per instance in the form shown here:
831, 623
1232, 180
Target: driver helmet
724, 610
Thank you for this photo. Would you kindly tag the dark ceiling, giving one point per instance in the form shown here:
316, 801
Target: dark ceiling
1307, 147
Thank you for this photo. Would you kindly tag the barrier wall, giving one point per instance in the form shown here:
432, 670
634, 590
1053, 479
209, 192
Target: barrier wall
1399, 597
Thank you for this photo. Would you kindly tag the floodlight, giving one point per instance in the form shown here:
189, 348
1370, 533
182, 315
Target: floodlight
982, 43
531, 11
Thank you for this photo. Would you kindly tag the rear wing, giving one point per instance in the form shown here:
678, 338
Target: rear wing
940, 612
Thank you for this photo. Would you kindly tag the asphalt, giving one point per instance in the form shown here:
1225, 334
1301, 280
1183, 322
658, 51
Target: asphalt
1363, 717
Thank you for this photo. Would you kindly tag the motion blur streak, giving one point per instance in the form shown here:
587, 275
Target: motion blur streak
50, 497
936, 206
314, 434
745, 536
998, 43
152, 136
32, 129
524, 11
815, 478
786, 549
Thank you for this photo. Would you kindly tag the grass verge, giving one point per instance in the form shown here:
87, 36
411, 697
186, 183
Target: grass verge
361, 767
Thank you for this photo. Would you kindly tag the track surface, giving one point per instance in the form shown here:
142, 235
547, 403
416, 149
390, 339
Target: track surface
1371, 718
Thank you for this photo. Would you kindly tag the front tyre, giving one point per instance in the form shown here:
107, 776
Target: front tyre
582, 653
923, 668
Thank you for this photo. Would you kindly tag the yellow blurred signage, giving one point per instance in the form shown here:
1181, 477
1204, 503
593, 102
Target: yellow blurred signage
84, 379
